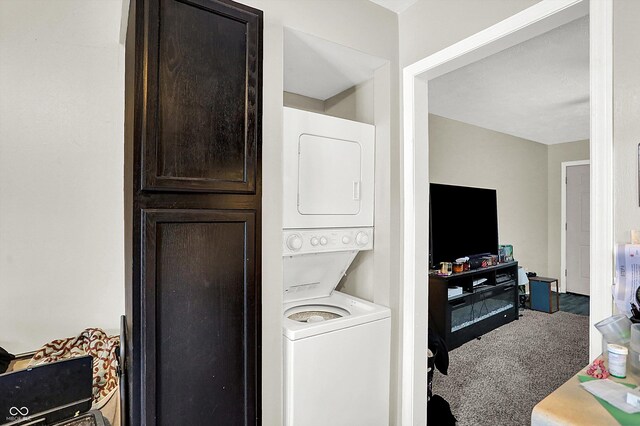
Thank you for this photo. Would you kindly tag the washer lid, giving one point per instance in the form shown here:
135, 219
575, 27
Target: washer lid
309, 276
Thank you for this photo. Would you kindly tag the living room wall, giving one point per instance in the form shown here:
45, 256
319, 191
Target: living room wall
526, 174
463, 154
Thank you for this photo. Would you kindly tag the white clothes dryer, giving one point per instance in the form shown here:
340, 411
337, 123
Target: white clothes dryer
328, 171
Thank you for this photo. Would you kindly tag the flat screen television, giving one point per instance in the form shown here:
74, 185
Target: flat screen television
463, 221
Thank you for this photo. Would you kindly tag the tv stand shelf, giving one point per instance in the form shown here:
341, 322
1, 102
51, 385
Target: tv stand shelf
478, 309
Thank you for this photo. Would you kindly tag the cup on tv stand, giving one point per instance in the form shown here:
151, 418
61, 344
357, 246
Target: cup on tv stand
445, 268
464, 262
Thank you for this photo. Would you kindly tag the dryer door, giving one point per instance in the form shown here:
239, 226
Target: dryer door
328, 171
329, 176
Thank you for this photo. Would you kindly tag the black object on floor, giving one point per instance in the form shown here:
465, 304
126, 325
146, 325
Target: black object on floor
438, 346
49, 393
439, 412
5, 360
574, 303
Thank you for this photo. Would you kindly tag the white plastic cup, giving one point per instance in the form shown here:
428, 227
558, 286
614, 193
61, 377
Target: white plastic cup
616, 328
617, 360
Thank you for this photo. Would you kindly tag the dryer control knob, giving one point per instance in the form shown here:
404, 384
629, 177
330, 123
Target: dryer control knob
294, 242
346, 240
362, 239
314, 241
323, 241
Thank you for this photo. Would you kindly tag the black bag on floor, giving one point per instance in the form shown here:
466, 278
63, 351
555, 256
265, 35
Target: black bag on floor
439, 412
5, 360
439, 348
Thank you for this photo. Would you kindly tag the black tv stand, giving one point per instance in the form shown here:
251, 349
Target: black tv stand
478, 309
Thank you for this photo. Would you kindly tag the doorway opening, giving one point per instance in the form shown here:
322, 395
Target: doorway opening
530, 23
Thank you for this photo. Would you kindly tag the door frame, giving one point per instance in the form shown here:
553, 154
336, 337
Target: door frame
536, 20
563, 219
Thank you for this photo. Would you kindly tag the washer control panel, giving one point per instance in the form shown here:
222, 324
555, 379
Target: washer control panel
302, 241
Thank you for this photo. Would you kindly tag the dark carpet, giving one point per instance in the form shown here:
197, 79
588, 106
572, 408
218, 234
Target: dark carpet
499, 379
574, 303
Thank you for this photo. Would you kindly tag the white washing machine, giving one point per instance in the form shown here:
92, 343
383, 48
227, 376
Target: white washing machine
336, 346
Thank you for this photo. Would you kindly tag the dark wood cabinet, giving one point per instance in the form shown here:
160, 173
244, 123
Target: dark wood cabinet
193, 212
201, 96
488, 299
198, 294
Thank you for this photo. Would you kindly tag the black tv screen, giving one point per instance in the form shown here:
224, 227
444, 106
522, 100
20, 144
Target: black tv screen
463, 221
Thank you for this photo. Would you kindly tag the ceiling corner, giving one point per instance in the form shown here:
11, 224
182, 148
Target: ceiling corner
397, 6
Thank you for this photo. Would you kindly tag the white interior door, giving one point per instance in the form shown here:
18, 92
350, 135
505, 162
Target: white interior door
577, 226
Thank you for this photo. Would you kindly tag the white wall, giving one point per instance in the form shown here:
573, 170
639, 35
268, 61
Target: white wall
305, 103
467, 155
61, 169
432, 25
556, 155
626, 110
355, 103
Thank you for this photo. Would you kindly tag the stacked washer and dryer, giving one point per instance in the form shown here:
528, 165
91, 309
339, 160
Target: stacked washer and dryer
336, 346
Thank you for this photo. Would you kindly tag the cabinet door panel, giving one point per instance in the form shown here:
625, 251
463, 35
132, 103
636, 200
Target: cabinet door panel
202, 98
200, 302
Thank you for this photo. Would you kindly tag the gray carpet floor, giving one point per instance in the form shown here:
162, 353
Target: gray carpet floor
498, 379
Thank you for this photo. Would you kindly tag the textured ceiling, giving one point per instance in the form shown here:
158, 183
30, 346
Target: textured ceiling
396, 6
537, 90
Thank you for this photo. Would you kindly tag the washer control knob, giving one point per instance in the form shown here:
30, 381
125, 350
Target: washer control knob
294, 242
314, 241
323, 241
346, 240
362, 239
